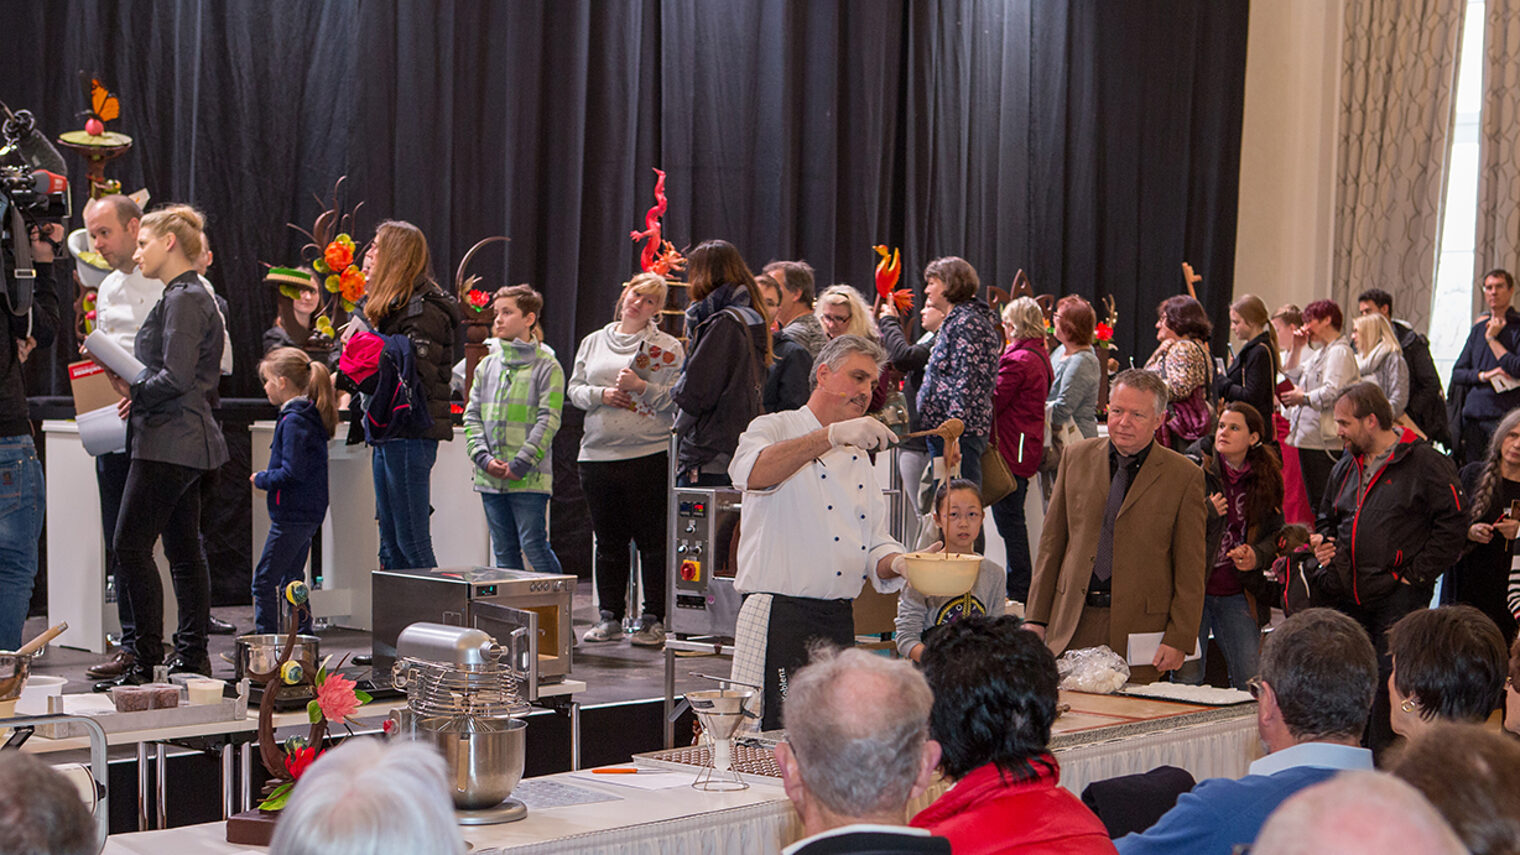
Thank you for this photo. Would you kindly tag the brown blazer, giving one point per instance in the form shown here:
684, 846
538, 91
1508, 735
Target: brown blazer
1159, 545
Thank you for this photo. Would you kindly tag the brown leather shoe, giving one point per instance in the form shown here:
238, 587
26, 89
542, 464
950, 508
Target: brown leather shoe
112, 668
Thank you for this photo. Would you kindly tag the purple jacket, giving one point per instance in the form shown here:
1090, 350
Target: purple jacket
1018, 403
962, 366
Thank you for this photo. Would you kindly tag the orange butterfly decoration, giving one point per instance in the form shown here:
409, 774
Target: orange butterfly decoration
104, 105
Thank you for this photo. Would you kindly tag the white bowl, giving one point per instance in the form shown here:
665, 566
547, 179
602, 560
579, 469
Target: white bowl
33, 699
942, 574
91, 274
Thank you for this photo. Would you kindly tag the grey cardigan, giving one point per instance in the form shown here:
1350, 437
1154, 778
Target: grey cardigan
180, 345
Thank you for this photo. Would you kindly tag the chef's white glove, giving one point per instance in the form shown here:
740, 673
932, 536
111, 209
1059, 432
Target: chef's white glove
863, 432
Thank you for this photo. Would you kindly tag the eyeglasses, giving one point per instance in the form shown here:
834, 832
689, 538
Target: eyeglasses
1253, 686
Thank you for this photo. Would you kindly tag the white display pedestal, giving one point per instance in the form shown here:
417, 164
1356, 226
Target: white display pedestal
76, 549
350, 538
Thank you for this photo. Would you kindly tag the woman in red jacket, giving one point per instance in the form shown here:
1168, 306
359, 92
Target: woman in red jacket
1018, 412
995, 698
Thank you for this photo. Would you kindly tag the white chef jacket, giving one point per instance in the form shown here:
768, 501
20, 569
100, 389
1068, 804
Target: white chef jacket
819, 533
122, 304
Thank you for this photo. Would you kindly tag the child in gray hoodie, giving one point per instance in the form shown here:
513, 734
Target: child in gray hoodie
958, 513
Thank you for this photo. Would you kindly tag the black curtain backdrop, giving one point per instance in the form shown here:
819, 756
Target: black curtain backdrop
1093, 144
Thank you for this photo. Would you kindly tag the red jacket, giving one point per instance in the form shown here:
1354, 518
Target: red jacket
986, 813
1018, 404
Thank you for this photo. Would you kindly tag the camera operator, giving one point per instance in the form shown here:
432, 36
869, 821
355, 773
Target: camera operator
21, 485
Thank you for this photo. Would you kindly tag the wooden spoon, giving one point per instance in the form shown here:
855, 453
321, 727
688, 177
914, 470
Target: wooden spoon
949, 429
36, 644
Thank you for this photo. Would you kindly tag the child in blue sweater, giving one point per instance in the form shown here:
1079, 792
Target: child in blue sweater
297, 475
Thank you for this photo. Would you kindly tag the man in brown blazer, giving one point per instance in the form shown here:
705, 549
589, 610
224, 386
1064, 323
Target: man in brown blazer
1122, 550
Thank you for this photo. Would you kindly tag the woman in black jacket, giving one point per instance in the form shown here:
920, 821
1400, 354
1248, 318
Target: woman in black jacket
910, 360
175, 441
1481, 577
1252, 377
1243, 477
728, 352
404, 300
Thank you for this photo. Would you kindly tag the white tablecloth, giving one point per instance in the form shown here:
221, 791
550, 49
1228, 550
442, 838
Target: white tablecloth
683, 821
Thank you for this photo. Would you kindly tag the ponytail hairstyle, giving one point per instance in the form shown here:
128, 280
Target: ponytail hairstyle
1254, 312
308, 375
1484, 493
182, 221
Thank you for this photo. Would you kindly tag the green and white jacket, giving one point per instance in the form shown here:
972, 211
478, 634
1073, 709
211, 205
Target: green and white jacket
513, 414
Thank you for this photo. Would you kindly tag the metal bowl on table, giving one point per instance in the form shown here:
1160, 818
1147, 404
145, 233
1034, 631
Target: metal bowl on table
260, 652
484, 756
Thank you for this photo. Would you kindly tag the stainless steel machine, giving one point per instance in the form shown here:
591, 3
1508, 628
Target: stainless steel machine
702, 551
493, 599
462, 698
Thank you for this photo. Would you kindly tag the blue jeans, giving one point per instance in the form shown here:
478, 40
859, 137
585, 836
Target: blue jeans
1008, 513
1236, 635
402, 468
283, 562
22, 500
518, 525
972, 447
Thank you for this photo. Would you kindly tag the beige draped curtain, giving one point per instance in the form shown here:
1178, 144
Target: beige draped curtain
1398, 74
1498, 235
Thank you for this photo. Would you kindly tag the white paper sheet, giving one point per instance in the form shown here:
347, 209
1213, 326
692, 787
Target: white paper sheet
112, 355
644, 780
1143, 646
101, 431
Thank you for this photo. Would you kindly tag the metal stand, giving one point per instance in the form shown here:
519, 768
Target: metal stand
707, 645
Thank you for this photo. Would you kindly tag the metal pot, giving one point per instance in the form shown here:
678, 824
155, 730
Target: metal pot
484, 755
261, 652
14, 668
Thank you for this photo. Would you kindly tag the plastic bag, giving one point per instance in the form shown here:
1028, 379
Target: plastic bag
1094, 669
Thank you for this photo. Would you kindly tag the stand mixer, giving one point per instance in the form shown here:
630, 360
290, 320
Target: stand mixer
462, 697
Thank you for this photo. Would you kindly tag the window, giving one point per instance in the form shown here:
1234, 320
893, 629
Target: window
1452, 297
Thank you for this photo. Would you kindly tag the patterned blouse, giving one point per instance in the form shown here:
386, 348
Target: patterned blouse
1183, 363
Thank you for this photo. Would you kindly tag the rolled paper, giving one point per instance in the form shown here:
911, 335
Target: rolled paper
296, 593
291, 673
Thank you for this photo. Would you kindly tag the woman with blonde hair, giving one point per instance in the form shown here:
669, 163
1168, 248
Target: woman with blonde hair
1380, 359
175, 441
622, 377
842, 311
1018, 417
404, 300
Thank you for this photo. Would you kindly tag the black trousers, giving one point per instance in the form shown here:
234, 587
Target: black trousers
627, 501
111, 478
1376, 617
164, 500
1316, 465
796, 624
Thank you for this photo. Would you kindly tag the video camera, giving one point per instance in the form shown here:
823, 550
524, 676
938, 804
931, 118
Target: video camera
34, 189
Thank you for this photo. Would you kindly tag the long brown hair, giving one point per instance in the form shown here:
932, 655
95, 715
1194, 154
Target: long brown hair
401, 259
717, 262
1265, 492
309, 376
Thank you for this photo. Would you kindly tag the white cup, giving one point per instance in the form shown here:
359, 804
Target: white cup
204, 691
34, 696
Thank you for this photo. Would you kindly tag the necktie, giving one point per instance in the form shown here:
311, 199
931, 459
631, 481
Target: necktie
1103, 565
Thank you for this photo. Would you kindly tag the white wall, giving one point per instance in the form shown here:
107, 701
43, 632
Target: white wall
1287, 159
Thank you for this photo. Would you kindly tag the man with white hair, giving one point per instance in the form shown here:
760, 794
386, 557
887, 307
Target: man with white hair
815, 521
1357, 813
369, 797
857, 751
1122, 549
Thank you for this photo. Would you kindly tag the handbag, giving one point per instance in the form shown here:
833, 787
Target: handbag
997, 478
1057, 438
